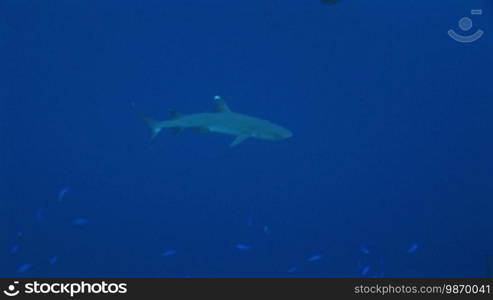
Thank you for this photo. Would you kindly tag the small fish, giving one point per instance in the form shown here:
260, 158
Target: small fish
314, 258
413, 248
243, 247
23, 268
80, 221
53, 260
365, 270
266, 230
292, 269
14, 249
62, 193
169, 252
364, 249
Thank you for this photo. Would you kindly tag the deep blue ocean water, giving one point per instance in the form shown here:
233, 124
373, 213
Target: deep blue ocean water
389, 172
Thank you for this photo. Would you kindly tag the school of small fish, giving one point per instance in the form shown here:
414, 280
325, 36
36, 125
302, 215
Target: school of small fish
367, 266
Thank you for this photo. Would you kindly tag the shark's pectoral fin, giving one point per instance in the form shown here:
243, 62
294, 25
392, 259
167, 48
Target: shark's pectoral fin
239, 139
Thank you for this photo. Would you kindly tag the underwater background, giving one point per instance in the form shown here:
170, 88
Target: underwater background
389, 172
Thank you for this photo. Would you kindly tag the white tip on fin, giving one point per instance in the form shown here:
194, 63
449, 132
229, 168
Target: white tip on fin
220, 105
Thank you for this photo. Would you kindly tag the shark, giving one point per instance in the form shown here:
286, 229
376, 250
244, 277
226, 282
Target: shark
221, 120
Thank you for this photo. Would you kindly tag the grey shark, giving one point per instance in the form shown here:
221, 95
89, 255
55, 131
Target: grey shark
221, 120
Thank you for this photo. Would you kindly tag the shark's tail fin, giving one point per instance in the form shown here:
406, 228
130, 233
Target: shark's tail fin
153, 125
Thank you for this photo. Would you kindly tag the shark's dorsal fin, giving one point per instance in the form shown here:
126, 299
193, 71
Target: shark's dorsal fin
174, 114
220, 105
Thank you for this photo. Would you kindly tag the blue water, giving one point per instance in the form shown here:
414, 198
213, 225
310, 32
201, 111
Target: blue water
389, 171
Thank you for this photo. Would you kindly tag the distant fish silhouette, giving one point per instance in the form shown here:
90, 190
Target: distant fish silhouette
314, 258
292, 269
412, 248
23, 268
364, 249
80, 221
62, 193
169, 252
365, 270
53, 260
243, 247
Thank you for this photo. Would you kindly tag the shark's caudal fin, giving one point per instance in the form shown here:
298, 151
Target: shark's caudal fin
157, 126
153, 125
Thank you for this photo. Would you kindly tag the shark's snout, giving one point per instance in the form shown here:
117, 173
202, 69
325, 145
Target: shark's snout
284, 134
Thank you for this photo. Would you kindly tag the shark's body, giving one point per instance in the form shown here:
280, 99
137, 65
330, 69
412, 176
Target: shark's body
224, 121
